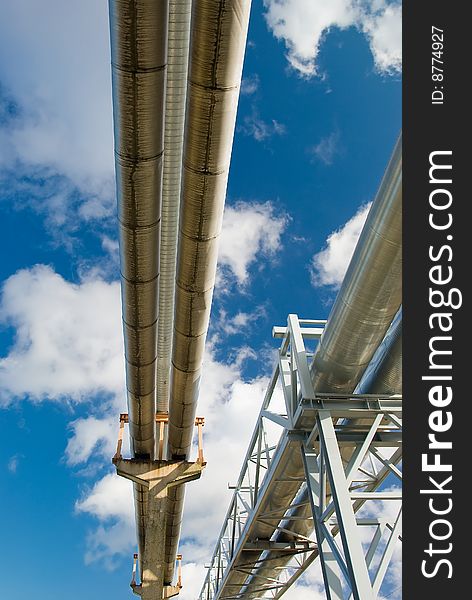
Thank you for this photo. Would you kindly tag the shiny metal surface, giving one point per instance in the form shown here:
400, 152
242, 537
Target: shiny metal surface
368, 300
138, 45
138, 31
218, 40
370, 293
176, 91
385, 376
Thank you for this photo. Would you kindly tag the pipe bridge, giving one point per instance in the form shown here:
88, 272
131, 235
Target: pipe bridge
318, 453
312, 429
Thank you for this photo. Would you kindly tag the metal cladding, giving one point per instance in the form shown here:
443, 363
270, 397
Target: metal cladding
138, 31
177, 66
385, 376
138, 46
218, 40
366, 304
370, 293
217, 45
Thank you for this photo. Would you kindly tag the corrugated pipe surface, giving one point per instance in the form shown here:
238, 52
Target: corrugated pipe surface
177, 65
370, 294
369, 298
138, 31
217, 45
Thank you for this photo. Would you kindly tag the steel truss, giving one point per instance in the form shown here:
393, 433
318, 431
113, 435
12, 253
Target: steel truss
341, 442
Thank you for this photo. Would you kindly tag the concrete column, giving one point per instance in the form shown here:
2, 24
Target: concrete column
152, 580
157, 477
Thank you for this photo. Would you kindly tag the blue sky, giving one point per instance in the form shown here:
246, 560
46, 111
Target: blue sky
318, 116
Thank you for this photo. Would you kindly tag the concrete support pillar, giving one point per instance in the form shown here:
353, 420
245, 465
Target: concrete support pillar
157, 477
152, 580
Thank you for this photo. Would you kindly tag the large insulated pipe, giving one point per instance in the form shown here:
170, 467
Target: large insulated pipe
218, 41
369, 298
138, 31
370, 294
385, 377
176, 91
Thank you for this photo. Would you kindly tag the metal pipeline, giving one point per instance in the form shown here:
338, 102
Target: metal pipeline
176, 91
217, 45
384, 375
370, 294
366, 304
138, 32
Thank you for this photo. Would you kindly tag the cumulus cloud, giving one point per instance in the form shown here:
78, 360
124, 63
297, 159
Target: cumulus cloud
192, 579
91, 435
57, 121
111, 497
68, 347
250, 229
303, 25
68, 337
329, 266
111, 502
383, 28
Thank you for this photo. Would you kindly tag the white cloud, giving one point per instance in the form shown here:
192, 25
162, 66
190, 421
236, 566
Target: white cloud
92, 435
329, 266
327, 148
111, 246
384, 31
193, 574
240, 322
303, 25
111, 502
249, 229
14, 462
68, 341
259, 129
250, 85
310, 585
111, 497
60, 82
68, 347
